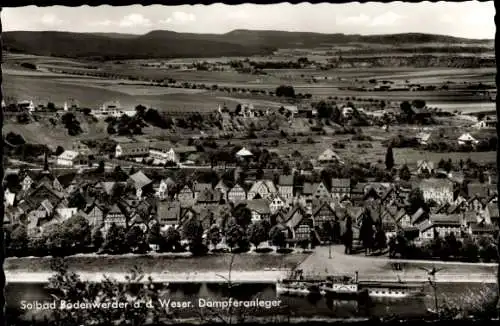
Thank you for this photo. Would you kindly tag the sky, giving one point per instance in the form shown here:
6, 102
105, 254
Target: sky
470, 19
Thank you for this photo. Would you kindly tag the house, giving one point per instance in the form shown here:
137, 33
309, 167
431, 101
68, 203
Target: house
262, 189
244, 154
81, 148
236, 194
419, 216
94, 214
329, 156
223, 189
186, 196
322, 214
438, 190
162, 157
44, 192
124, 150
199, 187
423, 138
315, 191
165, 186
71, 158
277, 203
208, 197
285, 188
481, 229
425, 167
492, 214
440, 225
66, 213
260, 209
467, 139
340, 189
300, 225
8, 198
140, 182
481, 190
168, 214
117, 215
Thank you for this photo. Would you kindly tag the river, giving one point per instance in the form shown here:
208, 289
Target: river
294, 307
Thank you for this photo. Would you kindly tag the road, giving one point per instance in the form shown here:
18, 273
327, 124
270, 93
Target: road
382, 268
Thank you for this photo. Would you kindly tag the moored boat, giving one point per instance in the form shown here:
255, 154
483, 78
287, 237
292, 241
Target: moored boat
393, 290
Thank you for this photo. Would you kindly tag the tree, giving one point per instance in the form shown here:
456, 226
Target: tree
18, 242
366, 233
416, 201
404, 173
389, 158
97, 239
172, 240
77, 200
235, 235
193, 232
101, 167
242, 215
141, 110
59, 150
285, 91
277, 237
348, 235
214, 236
115, 238
135, 240
380, 238
51, 106
257, 234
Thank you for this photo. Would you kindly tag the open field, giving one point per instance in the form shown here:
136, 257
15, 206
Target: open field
160, 263
411, 156
45, 90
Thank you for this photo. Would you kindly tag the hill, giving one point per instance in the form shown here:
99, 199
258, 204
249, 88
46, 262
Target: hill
168, 44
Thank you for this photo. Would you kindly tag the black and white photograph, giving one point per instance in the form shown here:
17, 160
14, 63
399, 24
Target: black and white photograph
250, 163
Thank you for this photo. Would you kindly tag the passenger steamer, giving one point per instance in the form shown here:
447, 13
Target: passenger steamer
348, 288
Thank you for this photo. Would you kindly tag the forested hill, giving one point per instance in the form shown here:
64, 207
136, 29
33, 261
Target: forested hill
167, 44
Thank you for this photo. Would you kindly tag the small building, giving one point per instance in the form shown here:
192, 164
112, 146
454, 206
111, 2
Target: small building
140, 182
425, 167
440, 225
165, 186
340, 189
300, 225
94, 214
423, 138
71, 158
124, 150
244, 154
168, 214
277, 203
467, 139
236, 194
186, 196
285, 188
222, 188
329, 156
260, 209
437, 190
262, 189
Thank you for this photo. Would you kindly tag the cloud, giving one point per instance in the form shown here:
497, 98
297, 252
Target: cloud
238, 14
353, 20
387, 19
103, 23
51, 20
134, 20
179, 18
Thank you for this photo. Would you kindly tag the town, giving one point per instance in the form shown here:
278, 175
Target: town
136, 194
